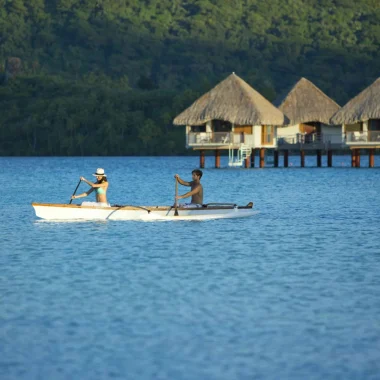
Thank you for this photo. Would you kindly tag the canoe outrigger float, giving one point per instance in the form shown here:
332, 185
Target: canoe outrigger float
128, 212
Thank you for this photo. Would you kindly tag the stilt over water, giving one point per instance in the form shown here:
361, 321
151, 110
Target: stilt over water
302, 156
262, 157
253, 158
286, 158
217, 158
357, 156
371, 160
319, 158
202, 159
245, 157
329, 158
275, 158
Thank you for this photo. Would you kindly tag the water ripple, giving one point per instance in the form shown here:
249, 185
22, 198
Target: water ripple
291, 293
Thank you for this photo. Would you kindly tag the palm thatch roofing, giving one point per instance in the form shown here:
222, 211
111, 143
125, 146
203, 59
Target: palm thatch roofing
232, 100
362, 107
306, 103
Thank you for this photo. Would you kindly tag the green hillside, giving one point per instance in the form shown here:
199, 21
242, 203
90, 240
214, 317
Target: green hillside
107, 77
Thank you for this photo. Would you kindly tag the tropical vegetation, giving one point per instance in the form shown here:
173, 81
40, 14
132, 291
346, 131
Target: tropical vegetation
106, 77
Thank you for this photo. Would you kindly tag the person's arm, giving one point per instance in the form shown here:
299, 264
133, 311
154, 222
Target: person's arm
190, 193
181, 181
83, 194
94, 185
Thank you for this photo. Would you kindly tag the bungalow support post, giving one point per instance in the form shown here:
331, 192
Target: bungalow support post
286, 158
302, 156
357, 160
329, 158
319, 158
371, 160
262, 157
217, 158
275, 158
202, 159
253, 158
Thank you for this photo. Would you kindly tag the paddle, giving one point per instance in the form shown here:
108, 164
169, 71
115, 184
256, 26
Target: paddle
75, 190
175, 199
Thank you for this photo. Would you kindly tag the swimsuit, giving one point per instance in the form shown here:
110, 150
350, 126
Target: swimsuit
100, 190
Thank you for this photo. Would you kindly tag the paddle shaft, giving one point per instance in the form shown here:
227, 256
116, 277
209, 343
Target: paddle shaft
75, 190
175, 199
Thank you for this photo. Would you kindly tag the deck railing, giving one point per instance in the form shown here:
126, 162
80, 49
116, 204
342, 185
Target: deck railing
214, 138
312, 138
363, 137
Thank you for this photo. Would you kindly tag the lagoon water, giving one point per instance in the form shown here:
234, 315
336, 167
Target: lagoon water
291, 293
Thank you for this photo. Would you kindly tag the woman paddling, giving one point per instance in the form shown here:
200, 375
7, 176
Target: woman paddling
100, 187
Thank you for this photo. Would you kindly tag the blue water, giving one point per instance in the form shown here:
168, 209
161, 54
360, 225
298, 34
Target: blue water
291, 293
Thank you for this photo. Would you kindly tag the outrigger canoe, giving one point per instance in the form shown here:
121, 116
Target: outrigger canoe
127, 212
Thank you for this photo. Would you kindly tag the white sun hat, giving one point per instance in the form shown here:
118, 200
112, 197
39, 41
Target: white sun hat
99, 172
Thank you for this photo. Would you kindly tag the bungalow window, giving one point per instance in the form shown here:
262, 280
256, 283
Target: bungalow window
221, 126
267, 134
198, 128
374, 129
374, 125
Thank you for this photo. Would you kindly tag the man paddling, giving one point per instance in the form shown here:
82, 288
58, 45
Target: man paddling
196, 191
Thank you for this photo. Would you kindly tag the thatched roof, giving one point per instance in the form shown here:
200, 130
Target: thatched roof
232, 100
363, 107
305, 103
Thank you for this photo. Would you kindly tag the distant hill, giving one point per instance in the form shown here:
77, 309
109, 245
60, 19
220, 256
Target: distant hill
81, 56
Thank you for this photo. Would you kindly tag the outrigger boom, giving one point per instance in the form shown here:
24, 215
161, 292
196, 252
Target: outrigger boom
51, 211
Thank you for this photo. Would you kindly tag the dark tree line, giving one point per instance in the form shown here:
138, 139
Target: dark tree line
105, 77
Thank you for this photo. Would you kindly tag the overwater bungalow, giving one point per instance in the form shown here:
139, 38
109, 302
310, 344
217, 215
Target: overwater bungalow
309, 111
232, 116
360, 120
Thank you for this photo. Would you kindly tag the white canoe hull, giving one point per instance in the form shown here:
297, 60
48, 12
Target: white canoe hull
76, 212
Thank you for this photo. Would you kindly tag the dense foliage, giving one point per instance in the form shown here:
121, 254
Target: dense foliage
108, 77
